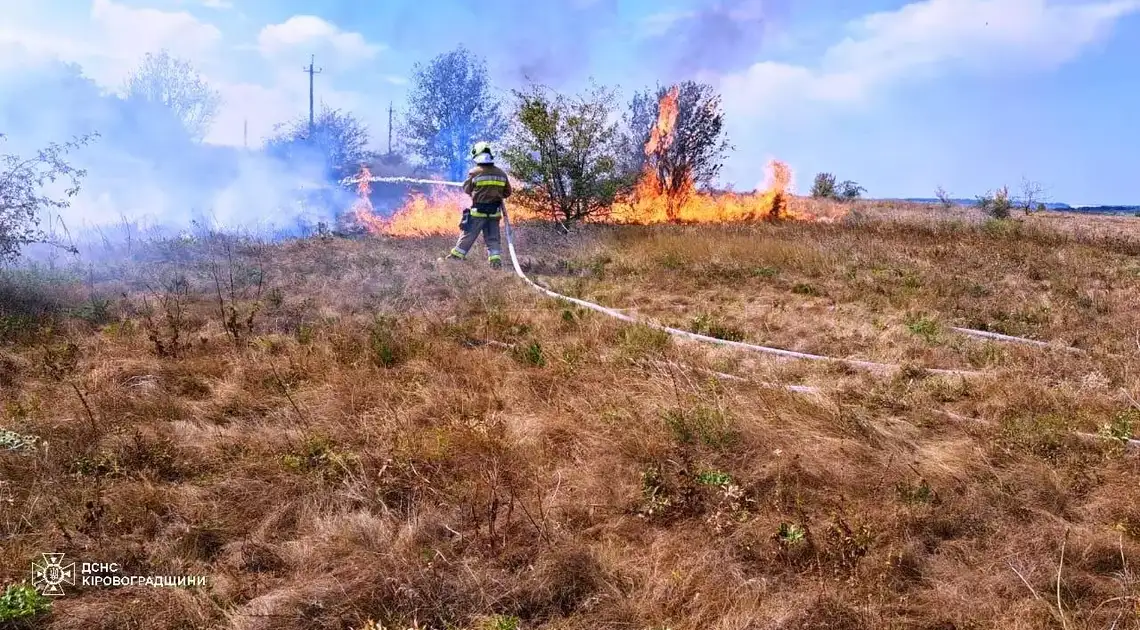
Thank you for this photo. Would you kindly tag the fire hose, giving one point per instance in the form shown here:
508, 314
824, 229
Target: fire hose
676, 332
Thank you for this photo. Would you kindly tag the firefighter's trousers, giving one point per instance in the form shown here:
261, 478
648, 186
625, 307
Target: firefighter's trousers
489, 228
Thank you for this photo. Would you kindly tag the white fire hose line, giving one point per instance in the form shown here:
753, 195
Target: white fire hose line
616, 313
697, 337
399, 180
1001, 337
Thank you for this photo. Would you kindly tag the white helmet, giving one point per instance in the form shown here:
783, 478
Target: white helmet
481, 153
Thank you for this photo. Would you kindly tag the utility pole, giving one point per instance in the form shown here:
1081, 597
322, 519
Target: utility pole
245, 134
389, 128
311, 71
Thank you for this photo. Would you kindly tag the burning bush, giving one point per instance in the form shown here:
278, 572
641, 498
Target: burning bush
680, 140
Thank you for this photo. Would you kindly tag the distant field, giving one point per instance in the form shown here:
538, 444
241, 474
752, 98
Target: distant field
343, 432
1062, 207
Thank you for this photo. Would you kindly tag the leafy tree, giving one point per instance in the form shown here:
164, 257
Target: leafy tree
849, 191
22, 192
174, 84
567, 152
451, 106
824, 186
693, 153
338, 143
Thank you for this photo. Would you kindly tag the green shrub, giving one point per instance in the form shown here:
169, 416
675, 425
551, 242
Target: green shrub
21, 602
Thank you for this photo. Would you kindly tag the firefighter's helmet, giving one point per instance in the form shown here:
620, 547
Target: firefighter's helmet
482, 154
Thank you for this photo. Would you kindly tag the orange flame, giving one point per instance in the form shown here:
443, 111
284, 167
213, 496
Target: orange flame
435, 214
664, 193
661, 136
363, 211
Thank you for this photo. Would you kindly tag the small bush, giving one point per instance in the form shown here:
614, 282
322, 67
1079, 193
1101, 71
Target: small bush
998, 204
1121, 426
915, 493
387, 349
638, 340
655, 495
318, 455
21, 602
790, 534
532, 354
805, 289
714, 478
499, 622
708, 325
701, 425
924, 327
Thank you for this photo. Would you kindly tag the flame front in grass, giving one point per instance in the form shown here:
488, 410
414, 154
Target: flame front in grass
362, 210
665, 193
428, 215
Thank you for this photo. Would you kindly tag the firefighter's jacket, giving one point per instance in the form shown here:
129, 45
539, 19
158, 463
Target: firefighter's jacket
488, 186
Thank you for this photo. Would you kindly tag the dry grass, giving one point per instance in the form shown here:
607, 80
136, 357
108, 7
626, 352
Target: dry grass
358, 436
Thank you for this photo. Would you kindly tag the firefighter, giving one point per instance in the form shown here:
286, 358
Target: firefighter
488, 186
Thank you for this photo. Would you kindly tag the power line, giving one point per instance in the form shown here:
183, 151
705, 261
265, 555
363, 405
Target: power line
311, 71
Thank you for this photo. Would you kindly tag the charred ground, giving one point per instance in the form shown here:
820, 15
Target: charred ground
337, 432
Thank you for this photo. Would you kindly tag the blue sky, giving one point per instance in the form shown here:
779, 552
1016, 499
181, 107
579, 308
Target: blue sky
899, 96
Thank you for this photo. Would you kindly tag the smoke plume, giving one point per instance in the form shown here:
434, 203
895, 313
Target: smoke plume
549, 42
719, 36
143, 167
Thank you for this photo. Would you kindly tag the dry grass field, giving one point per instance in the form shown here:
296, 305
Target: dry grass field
347, 434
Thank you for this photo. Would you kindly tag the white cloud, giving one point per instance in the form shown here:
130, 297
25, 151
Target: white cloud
125, 34
309, 31
218, 4
926, 39
114, 37
120, 37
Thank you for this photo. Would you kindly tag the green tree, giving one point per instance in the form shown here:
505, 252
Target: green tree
567, 152
850, 191
23, 194
824, 186
338, 141
173, 83
451, 106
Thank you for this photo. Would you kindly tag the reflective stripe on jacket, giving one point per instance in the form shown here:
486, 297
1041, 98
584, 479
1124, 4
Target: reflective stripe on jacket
488, 185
